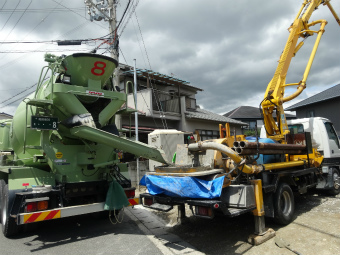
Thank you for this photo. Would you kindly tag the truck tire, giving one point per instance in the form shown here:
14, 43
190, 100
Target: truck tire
2, 185
335, 190
9, 226
283, 204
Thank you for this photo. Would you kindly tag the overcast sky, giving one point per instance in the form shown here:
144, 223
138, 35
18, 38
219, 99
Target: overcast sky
227, 48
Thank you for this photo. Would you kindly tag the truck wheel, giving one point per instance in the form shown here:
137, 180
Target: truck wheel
283, 204
2, 184
9, 226
335, 190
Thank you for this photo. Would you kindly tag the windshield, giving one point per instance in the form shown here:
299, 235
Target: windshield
331, 133
296, 129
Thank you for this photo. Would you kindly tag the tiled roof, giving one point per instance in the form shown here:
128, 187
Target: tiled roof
207, 115
162, 78
5, 115
248, 112
327, 94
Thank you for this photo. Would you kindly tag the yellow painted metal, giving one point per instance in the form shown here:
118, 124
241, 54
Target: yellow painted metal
226, 129
283, 165
220, 145
315, 158
327, 2
274, 96
259, 211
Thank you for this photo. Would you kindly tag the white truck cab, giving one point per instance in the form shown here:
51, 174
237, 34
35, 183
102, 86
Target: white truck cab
324, 136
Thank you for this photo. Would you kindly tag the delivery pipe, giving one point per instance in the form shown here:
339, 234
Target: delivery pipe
242, 151
202, 146
254, 169
273, 146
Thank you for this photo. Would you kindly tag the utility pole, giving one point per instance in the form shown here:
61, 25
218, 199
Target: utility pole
107, 10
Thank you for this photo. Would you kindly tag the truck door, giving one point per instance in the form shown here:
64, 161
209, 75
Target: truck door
334, 145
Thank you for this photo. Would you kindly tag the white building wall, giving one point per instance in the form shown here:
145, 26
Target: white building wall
144, 101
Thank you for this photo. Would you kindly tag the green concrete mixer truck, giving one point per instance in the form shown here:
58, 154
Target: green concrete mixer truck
59, 152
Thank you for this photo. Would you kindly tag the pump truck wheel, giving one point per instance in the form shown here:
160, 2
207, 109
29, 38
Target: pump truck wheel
283, 204
335, 190
9, 226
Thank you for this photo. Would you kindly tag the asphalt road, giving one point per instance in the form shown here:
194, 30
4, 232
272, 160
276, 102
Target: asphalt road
80, 235
315, 230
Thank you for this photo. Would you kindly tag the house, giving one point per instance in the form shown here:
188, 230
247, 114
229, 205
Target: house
250, 115
4, 116
167, 102
324, 104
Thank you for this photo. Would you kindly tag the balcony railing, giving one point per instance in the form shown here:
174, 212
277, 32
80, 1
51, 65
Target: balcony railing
165, 102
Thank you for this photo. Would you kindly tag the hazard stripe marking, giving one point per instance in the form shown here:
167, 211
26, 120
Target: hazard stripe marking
134, 201
41, 216
53, 215
31, 218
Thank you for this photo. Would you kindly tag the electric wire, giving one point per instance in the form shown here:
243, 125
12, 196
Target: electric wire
10, 15
156, 94
43, 10
3, 5
123, 14
18, 93
47, 50
19, 20
28, 88
132, 10
17, 99
79, 14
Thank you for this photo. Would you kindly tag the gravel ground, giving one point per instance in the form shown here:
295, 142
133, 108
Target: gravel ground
315, 230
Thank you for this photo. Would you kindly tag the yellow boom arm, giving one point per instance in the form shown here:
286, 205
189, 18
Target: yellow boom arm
274, 96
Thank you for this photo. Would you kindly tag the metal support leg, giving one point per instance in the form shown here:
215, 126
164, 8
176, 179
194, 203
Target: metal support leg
181, 214
260, 225
261, 233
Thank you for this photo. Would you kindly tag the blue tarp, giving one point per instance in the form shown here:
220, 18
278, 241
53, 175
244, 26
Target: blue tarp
189, 187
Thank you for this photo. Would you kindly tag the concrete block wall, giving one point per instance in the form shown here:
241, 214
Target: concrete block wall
132, 168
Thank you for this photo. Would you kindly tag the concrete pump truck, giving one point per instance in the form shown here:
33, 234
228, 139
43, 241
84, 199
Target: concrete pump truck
234, 175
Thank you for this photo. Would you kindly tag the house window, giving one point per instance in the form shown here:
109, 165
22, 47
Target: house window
310, 113
252, 125
190, 103
208, 134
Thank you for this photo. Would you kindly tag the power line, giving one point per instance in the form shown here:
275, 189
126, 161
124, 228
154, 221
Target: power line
28, 88
44, 10
154, 91
17, 99
127, 7
49, 50
10, 15
3, 5
77, 13
19, 19
132, 10
18, 93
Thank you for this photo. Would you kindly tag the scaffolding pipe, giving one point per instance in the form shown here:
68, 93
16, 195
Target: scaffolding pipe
136, 118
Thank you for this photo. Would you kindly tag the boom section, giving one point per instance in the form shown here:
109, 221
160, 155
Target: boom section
274, 98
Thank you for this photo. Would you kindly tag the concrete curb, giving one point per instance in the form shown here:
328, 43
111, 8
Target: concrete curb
168, 243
